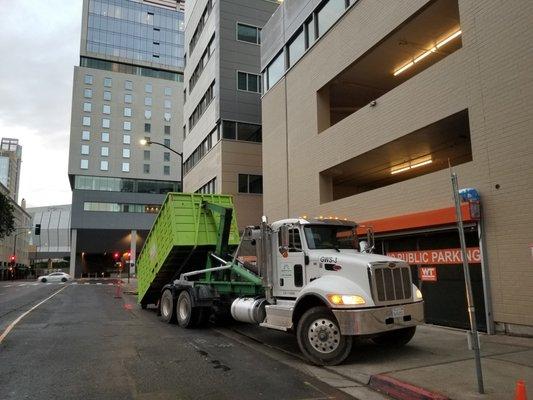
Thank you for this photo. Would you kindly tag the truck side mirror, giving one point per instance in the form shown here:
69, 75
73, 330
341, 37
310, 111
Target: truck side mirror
284, 239
370, 239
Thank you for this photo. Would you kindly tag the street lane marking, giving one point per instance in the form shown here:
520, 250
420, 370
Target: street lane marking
22, 284
34, 284
86, 283
15, 322
110, 284
74, 283
98, 283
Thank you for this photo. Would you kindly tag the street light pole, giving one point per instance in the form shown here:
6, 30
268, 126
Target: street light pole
146, 142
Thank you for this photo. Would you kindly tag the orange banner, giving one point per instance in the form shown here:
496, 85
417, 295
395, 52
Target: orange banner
441, 256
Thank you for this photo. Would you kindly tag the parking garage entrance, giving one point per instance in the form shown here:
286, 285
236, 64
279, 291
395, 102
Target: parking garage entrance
429, 242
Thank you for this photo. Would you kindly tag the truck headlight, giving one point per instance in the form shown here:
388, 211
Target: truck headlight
418, 294
345, 300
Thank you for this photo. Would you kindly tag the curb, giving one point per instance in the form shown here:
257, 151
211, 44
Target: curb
400, 390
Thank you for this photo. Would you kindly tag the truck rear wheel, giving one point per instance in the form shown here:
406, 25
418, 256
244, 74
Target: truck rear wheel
320, 339
167, 307
396, 338
187, 316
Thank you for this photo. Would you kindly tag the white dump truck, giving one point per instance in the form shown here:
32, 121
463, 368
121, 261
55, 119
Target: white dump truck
310, 277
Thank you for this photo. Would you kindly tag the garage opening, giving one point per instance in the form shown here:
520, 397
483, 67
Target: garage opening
421, 152
419, 42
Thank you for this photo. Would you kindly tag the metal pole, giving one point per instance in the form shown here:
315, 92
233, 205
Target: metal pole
469, 296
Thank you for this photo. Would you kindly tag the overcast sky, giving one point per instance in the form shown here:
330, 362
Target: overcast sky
39, 46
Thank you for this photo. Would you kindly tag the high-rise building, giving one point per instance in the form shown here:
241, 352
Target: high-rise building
127, 87
366, 106
222, 94
10, 159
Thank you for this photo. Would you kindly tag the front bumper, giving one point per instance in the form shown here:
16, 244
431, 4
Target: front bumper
379, 319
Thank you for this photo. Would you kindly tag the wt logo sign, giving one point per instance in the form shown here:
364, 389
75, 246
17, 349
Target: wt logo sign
427, 274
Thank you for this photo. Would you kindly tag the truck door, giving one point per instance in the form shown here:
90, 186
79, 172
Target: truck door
290, 267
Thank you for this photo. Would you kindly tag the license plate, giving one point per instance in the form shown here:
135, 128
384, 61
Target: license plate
398, 312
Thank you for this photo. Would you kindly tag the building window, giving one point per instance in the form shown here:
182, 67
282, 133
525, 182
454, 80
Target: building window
84, 164
166, 170
104, 165
275, 70
241, 131
105, 137
125, 167
106, 109
104, 151
147, 101
168, 91
248, 82
147, 114
296, 48
127, 98
250, 183
88, 93
329, 14
86, 121
85, 135
202, 62
248, 33
203, 103
147, 128
166, 156
106, 122
128, 85
107, 82
125, 153
127, 112
166, 142
200, 27
148, 88
85, 149
209, 187
126, 139
310, 32
146, 155
168, 104
87, 107
229, 130
146, 168
88, 79
127, 125
166, 117
184, 95
107, 95
167, 129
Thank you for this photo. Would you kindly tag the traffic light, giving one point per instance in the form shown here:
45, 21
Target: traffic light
12, 260
37, 229
116, 256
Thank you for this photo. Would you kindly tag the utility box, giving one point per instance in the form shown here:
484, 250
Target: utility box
180, 240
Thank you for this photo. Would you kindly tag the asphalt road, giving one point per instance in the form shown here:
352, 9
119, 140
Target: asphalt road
85, 344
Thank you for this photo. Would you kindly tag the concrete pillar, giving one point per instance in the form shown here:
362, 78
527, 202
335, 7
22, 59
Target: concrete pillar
73, 237
133, 250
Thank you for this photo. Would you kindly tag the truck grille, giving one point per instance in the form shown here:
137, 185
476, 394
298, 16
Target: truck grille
390, 283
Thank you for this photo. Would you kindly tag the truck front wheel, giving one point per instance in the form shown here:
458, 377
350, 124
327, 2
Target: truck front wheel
320, 339
166, 305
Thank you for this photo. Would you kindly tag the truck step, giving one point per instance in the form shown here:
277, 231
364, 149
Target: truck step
278, 317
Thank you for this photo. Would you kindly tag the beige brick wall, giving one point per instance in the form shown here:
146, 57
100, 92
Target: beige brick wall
490, 75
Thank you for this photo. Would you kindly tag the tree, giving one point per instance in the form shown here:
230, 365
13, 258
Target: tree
7, 220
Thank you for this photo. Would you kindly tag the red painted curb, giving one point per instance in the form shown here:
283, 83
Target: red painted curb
402, 390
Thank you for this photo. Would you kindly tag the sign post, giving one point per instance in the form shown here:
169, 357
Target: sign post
469, 296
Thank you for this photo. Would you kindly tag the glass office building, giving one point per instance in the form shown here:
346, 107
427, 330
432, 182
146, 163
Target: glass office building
136, 31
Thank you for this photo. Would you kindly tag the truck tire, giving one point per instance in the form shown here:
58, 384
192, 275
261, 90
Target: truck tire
397, 338
187, 316
167, 307
320, 339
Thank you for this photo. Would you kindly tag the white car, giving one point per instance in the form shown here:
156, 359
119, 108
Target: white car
55, 277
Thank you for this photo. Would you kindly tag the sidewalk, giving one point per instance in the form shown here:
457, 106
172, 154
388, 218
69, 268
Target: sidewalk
129, 287
437, 360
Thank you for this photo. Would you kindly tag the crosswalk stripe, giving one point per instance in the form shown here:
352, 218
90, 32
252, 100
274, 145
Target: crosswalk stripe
110, 284
98, 283
22, 284
74, 283
34, 284
86, 283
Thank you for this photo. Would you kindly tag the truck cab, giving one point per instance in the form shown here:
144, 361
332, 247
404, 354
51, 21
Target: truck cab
321, 279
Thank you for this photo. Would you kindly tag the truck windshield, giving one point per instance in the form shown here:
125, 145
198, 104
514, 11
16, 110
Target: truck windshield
330, 237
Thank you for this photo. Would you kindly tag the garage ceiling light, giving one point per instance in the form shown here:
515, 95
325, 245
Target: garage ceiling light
419, 162
427, 52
